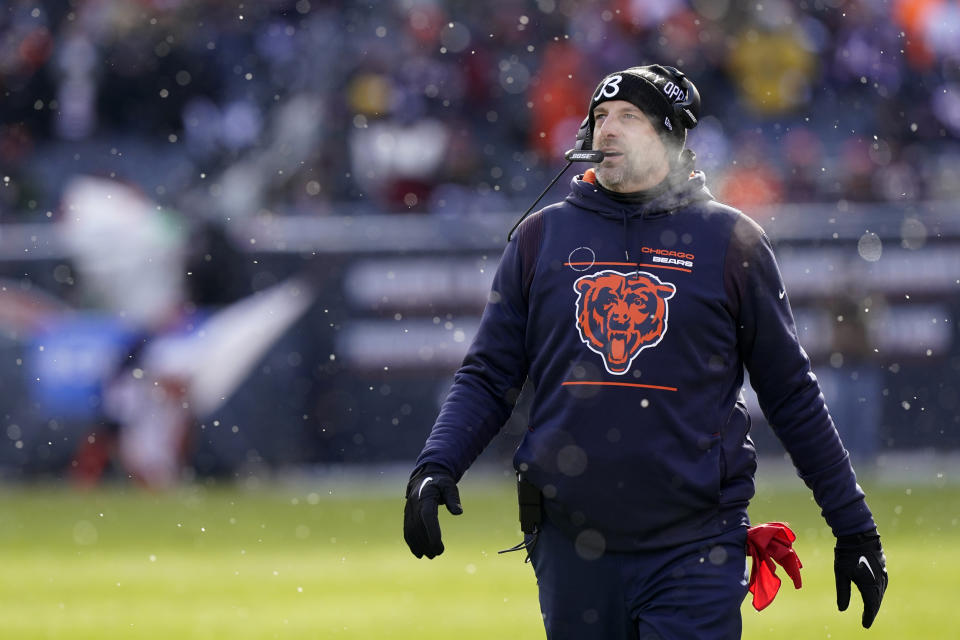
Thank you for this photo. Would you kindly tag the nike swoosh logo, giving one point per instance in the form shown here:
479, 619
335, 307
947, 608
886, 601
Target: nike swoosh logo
430, 479
864, 562
782, 293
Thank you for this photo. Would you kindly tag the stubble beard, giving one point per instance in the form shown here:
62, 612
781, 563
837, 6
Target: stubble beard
614, 178
610, 177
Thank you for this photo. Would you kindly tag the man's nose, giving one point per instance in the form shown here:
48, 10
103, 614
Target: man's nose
607, 129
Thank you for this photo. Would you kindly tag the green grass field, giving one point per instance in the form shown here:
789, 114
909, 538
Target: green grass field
304, 561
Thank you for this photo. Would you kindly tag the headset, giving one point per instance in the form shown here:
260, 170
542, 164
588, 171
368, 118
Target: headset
582, 150
685, 109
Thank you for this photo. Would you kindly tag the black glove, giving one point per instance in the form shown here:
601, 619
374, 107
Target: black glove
429, 487
860, 558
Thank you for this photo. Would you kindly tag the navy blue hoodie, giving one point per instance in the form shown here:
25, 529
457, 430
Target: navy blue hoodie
634, 323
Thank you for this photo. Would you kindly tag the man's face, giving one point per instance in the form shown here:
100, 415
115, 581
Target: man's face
635, 158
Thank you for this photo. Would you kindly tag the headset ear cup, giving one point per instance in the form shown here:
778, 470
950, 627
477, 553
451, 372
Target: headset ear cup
688, 111
585, 136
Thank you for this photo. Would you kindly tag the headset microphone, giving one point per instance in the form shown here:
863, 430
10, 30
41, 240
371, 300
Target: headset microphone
580, 155
577, 154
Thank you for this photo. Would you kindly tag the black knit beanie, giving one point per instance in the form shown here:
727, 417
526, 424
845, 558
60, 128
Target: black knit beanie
655, 90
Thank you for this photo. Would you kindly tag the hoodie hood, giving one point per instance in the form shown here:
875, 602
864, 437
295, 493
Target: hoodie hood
685, 186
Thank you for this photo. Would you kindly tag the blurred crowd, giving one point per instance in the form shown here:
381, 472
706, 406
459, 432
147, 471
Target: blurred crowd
228, 109
142, 129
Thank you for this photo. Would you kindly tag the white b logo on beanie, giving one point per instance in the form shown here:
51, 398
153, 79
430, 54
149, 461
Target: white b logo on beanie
610, 88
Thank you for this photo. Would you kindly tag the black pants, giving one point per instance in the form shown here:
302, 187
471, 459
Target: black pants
690, 591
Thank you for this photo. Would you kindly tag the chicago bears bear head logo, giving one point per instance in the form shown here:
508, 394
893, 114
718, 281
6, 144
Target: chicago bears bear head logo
619, 315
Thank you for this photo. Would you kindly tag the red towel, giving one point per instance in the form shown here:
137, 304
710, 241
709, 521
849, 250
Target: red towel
769, 543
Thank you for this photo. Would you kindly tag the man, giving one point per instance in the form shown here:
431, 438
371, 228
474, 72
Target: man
633, 307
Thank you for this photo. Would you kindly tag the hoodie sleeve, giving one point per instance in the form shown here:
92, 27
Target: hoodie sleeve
787, 389
487, 385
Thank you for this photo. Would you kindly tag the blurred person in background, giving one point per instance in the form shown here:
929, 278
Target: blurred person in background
634, 307
852, 379
129, 257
